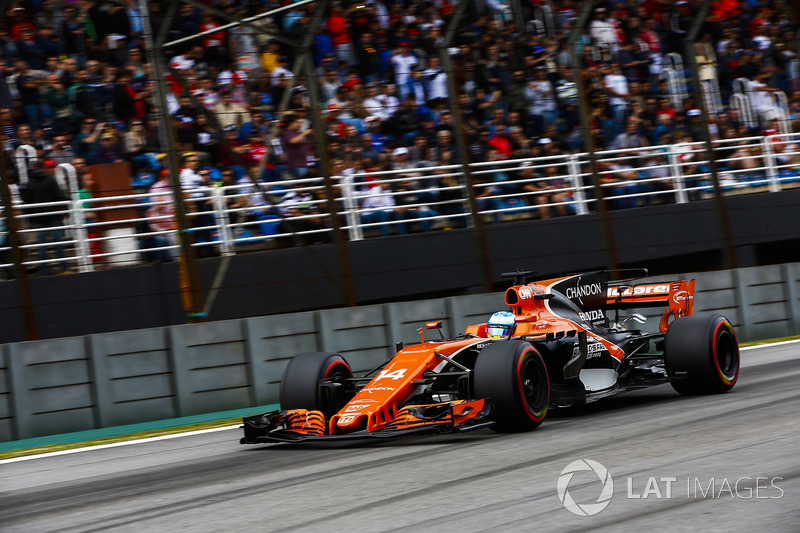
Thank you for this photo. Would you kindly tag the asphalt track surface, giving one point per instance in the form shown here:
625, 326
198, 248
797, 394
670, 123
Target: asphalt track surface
734, 459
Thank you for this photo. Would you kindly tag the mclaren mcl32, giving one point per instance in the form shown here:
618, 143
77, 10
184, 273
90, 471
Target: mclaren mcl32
566, 343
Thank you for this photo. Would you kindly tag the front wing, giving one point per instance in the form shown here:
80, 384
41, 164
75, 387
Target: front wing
300, 425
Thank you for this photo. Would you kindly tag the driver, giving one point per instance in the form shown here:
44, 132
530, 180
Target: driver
501, 324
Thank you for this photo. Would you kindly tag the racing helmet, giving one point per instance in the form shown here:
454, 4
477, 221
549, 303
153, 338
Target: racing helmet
501, 324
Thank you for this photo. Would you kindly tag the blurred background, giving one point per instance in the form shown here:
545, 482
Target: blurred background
200, 161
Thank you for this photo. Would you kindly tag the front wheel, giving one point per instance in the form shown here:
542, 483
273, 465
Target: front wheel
512, 374
313, 381
701, 354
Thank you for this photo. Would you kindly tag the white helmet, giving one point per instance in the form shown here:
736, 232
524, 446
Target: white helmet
501, 324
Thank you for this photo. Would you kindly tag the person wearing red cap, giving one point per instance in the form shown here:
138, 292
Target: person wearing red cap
42, 188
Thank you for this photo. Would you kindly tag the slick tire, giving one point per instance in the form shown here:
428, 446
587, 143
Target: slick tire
512, 374
701, 354
300, 385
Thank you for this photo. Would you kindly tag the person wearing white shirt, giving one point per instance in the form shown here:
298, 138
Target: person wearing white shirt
402, 61
389, 102
616, 85
189, 177
761, 98
281, 70
436, 79
373, 103
603, 31
378, 206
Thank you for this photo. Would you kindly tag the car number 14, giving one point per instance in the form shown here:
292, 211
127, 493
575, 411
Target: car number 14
394, 375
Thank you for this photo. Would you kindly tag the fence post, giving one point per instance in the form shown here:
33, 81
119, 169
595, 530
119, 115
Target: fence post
767, 147
677, 176
351, 211
574, 168
223, 220
76, 216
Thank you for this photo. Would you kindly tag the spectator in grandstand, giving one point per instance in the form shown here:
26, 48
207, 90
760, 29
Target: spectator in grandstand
269, 56
489, 188
378, 207
24, 136
128, 102
87, 140
257, 122
317, 221
82, 97
501, 142
135, 147
616, 85
402, 61
540, 97
161, 217
231, 151
404, 124
401, 159
42, 188
281, 72
339, 30
190, 176
296, 145
206, 93
28, 87
436, 83
295, 205
760, 96
109, 150
655, 170
30, 50
229, 113
57, 104
635, 61
603, 30
413, 205
60, 151
547, 191
632, 137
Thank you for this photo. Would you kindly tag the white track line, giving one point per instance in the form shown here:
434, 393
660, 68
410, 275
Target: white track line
202, 431
781, 343
115, 444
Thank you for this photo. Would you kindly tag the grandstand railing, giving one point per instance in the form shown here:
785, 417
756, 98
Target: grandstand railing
230, 219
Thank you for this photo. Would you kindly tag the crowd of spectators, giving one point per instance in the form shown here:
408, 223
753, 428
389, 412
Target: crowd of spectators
75, 83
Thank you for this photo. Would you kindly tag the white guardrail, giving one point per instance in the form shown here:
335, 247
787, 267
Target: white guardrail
228, 219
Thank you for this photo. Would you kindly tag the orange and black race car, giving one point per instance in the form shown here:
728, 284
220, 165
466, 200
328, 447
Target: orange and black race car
562, 342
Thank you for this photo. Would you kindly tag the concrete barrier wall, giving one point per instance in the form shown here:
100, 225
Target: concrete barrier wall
62, 385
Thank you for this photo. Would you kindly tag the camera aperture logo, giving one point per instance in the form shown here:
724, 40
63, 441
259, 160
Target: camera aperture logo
606, 492
656, 487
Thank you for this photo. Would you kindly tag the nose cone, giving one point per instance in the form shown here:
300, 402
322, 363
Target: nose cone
347, 423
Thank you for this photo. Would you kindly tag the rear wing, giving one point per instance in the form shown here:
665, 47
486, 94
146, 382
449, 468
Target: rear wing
677, 295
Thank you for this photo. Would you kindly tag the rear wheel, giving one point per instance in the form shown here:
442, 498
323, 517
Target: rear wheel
512, 374
701, 354
301, 386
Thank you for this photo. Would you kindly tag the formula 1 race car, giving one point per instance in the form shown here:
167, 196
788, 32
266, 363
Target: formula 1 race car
556, 347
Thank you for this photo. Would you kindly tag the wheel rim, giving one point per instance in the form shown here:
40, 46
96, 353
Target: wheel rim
725, 356
330, 403
534, 393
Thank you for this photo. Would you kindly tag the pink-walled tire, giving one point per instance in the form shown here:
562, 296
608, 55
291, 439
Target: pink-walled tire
512, 374
701, 354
